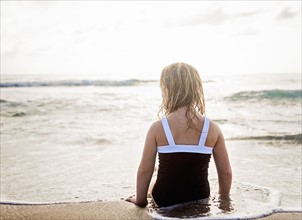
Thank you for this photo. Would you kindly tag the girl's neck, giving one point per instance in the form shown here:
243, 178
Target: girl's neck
180, 111
183, 112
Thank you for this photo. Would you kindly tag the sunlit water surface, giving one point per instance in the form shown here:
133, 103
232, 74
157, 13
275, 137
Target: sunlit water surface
69, 140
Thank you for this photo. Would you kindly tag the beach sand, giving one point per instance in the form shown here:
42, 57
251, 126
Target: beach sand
93, 210
84, 210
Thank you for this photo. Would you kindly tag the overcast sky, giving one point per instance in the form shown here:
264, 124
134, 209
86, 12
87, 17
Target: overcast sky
92, 37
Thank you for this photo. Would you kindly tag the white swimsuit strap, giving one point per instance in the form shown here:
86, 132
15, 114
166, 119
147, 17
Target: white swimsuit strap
168, 131
204, 132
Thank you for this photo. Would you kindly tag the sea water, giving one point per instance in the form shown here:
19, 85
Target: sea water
74, 138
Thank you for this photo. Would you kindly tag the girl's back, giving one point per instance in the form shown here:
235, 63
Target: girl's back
184, 158
181, 134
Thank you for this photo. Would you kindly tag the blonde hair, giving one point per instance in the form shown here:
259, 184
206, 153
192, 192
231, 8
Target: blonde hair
181, 86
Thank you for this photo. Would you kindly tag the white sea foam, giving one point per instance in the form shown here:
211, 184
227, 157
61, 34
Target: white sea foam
244, 203
247, 201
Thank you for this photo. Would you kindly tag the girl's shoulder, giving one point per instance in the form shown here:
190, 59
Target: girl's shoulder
214, 133
214, 127
156, 130
156, 126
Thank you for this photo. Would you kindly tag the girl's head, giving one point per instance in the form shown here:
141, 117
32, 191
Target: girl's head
181, 86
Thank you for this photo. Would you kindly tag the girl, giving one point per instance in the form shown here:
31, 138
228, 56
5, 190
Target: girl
184, 140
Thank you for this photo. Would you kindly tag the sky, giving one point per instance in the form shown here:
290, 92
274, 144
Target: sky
142, 37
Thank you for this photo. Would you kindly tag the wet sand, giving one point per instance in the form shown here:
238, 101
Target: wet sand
94, 210
284, 216
89, 210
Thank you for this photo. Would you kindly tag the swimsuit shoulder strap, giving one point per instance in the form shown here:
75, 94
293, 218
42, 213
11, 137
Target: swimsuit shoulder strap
168, 131
204, 132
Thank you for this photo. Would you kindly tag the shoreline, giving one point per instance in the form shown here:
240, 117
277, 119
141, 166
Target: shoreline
97, 210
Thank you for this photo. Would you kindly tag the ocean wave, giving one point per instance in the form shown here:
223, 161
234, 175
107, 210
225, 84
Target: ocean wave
297, 138
274, 94
67, 83
19, 114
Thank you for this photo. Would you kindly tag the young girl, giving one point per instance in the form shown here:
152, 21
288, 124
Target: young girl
184, 140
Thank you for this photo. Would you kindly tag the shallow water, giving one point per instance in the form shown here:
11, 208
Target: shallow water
68, 142
244, 202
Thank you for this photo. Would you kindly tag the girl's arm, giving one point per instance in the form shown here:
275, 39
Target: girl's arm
145, 169
223, 166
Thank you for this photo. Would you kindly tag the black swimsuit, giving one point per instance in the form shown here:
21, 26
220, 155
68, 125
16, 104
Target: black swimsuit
183, 170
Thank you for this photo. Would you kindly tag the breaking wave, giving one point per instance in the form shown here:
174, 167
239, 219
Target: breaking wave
297, 138
67, 83
275, 94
